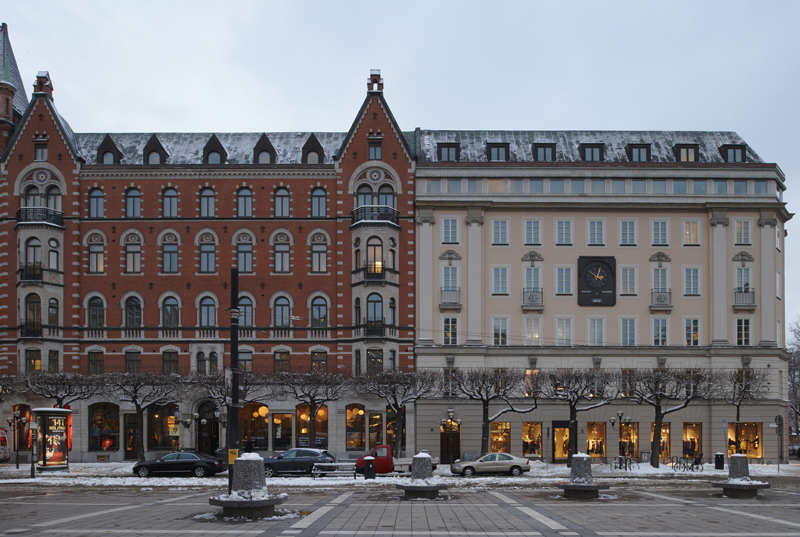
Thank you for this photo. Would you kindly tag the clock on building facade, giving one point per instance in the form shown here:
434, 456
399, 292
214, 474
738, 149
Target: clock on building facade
597, 281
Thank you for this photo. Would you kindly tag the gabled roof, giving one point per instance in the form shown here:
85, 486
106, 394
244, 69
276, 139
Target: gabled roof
392, 121
64, 128
10, 73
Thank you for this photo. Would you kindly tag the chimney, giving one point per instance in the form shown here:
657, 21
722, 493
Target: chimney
43, 83
375, 82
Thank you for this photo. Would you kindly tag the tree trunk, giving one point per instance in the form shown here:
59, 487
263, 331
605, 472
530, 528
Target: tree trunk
400, 424
139, 433
737, 437
573, 432
655, 443
312, 424
485, 428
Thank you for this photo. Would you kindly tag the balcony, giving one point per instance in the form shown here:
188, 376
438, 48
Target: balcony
532, 299
31, 272
375, 213
374, 273
450, 298
40, 214
207, 332
744, 299
374, 329
661, 300
30, 329
281, 332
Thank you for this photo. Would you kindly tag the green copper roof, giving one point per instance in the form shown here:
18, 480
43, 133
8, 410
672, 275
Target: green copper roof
9, 72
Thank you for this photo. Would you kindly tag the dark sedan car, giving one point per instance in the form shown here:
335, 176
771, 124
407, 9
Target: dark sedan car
296, 461
182, 462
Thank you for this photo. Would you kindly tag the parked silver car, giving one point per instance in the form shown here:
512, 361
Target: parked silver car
493, 463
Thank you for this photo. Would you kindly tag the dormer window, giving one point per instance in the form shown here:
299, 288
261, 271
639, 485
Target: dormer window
639, 152
592, 152
153, 158
264, 158
374, 151
686, 152
108, 158
214, 158
448, 152
733, 153
544, 152
497, 152
40, 152
312, 157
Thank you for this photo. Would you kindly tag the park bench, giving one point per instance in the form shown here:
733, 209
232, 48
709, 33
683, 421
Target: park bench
333, 469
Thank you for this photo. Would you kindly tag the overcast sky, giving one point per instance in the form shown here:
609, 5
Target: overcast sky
258, 66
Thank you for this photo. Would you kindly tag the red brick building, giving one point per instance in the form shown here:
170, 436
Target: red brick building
118, 249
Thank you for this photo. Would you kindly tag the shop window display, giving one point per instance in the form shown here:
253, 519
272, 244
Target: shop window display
664, 443
532, 439
281, 432
253, 423
103, 427
629, 440
596, 438
354, 423
304, 427
500, 436
375, 429
163, 427
750, 439
692, 440
23, 417
560, 442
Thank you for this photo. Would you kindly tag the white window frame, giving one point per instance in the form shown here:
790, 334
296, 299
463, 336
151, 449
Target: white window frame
684, 268
455, 230
458, 328
445, 267
497, 318
666, 268
697, 223
745, 222
571, 223
635, 222
699, 329
495, 291
635, 330
620, 288
495, 228
525, 231
527, 267
571, 289
736, 268
653, 319
778, 285
751, 330
531, 337
603, 331
571, 335
602, 222
653, 242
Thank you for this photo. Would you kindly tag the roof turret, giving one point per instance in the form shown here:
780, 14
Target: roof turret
9, 72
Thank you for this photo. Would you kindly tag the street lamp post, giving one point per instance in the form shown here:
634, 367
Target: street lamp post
233, 407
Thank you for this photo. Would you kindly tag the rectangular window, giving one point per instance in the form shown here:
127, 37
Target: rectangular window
564, 281
563, 233
687, 154
375, 151
40, 152
659, 186
500, 331
500, 281
628, 281
691, 283
52, 362
450, 334
692, 329
660, 233
454, 186
734, 154
532, 446
133, 362
517, 186
596, 235
760, 186
96, 259
357, 362
319, 258
449, 231
679, 186
556, 186
169, 363
374, 361
532, 232
742, 332
720, 187
690, 234
319, 362
699, 186
133, 258
500, 232
592, 153
533, 331
598, 186
96, 366
448, 152
742, 278
577, 186
596, 336
544, 152
740, 186
283, 362
743, 232
640, 153
169, 254
433, 186
627, 235
473, 186
536, 186
639, 186
244, 258
659, 332
393, 360
208, 258
627, 332
33, 360
563, 331
498, 152
618, 186
660, 279
282, 258
532, 280
778, 285
449, 278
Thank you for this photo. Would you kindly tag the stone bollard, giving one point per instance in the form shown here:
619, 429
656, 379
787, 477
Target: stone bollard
738, 466
421, 485
421, 466
249, 496
248, 474
739, 484
581, 471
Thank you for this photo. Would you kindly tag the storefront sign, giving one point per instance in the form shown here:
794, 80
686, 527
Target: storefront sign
233, 454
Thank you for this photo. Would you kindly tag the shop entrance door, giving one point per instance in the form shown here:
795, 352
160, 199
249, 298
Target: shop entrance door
207, 428
129, 421
560, 441
449, 441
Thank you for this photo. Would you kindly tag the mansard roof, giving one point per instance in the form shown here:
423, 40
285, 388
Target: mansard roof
9, 72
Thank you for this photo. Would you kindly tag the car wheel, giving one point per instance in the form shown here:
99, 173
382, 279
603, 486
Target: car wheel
199, 471
468, 471
269, 471
143, 471
516, 470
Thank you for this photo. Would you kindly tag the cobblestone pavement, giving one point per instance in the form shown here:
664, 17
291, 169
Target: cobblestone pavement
690, 510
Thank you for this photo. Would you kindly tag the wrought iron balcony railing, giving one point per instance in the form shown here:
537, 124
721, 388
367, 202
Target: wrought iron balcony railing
532, 298
744, 298
450, 297
31, 272
660, 299
375, 213
40, 214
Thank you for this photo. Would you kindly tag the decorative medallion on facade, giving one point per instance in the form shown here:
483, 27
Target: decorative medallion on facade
96, 238
206, 237
375, 175
40, 176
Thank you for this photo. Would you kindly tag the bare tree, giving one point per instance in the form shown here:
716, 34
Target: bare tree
794, 376
740, 386
143, 390
64, 388
667, 391
8, 385
314, 389
252, 387
398, 389
499, 385
582, 390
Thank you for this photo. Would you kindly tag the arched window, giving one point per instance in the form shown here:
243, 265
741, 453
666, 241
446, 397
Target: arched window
374, 255
54, 199
33, 252
363, 196
374, 308
133, 254
202, 364
245, 313
244, 203
133, 317
303, 432
96, 254
52, 315
96, 314
33, 310
53, 255
32, 197
319, 253
282, 312
264, 157
108, 158
281, 247
169, 203
214, 157
169, 253
386, 196
319, 312
392, 312
212, 363
207, 203
208, 313
312, 157
355, 428
103, 427
318, 202
244, 253
170, 316
281, 203
208, 254
153, 158
133, 203
162, 422
357, 311
96, 203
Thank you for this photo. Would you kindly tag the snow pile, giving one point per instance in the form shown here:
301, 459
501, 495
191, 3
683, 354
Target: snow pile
249, 457
745, 481
205, 516
423, 454
248, 495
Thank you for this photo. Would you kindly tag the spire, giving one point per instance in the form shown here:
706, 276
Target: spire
9, 72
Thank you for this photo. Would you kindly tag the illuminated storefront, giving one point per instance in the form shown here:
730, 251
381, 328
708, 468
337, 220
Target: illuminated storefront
52, 436
560, 441
664, 443
304, 427
354, 428
629, 439
103, 427
532, 439
596, 439
750, 439
281, 432
500, 436
163, 428
375, 429
692, 440
254, 423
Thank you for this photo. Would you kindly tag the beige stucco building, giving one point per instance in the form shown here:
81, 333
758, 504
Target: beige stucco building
620, 250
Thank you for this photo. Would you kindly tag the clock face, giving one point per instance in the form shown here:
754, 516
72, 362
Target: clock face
597, 283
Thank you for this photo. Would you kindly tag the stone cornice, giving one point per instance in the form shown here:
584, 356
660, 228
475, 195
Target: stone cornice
474, 216
206, 172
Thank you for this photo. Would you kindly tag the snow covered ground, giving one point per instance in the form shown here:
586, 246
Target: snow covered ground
119, 474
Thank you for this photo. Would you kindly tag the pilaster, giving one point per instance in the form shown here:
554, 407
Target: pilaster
425, 331
719, 280
475, 262
767, 223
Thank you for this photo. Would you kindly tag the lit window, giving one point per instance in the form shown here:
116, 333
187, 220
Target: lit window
690, 234
692, 329
743, 232
450, 332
